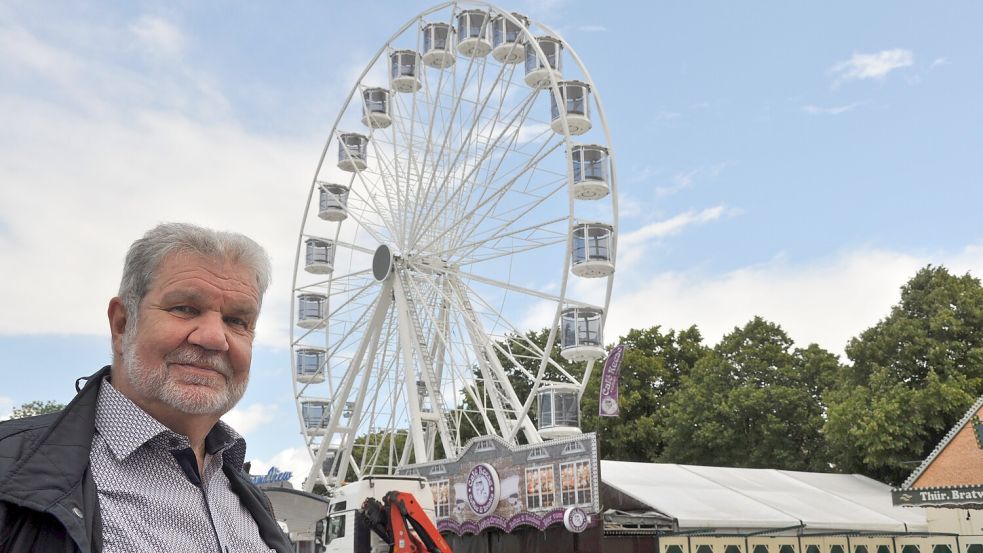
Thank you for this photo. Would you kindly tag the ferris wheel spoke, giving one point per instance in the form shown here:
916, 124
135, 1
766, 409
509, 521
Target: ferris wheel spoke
522, 290
471, 123
461, 371
499, 254
389, 182
498, 234
522, 338
504, 84
361, 221
493, 199
428, 215
504, 400
471, 224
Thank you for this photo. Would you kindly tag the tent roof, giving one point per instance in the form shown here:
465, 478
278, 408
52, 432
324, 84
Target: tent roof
721, 497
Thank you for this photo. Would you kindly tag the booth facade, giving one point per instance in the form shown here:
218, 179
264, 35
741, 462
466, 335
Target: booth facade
949, 482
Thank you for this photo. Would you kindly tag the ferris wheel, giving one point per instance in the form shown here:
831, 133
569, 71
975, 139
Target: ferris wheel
466, 196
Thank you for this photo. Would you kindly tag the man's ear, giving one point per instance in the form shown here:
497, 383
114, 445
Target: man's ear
117, 325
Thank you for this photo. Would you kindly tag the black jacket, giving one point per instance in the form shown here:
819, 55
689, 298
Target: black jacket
48, 500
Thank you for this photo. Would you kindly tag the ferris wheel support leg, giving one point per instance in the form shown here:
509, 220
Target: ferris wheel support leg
407, 343
375, 330
382, 305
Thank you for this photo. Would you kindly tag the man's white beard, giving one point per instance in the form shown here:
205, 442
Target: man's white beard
157, 383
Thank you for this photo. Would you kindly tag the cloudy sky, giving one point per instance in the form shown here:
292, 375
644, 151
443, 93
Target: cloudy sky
794, 162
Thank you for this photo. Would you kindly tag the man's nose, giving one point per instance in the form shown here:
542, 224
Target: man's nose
209, 333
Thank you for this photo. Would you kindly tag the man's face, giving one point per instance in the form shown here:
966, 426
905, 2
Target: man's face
191, 346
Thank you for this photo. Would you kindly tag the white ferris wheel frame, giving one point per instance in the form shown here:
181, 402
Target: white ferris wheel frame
392, 285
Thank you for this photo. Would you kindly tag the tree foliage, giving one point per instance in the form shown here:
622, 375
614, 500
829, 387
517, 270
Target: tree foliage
913, 375
654, 363
751, 401
33, 408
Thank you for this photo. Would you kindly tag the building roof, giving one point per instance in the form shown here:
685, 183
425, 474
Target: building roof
738, 498
953, 432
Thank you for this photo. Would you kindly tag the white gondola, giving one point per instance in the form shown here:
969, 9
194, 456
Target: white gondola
590, 171
581, 337
352, 151
309, 365
472, 33
403, 71
538, 71
559, 410
316, 415
320, 256
375, 108
507, 42
332, 202
592, 250
576, 99
311, 309
438, 45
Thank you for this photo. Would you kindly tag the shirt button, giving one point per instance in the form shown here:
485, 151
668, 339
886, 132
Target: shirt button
77, 511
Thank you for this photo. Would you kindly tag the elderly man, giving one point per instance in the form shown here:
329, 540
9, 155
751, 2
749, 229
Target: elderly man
139, 460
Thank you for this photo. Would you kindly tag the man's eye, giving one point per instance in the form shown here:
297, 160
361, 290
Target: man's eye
185, 310
236, 321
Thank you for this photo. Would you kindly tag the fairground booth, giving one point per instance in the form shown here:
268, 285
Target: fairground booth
557, 497
949, 482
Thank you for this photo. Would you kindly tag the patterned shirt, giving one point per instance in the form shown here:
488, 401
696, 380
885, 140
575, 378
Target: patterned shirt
152, 497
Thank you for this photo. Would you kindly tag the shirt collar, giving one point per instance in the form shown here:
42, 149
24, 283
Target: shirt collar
126, 427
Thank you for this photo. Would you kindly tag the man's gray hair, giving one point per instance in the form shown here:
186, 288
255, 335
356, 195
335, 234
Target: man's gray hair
145, 255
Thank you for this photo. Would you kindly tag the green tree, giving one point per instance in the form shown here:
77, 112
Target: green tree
913, 376
651, 370
751, 401
33, 408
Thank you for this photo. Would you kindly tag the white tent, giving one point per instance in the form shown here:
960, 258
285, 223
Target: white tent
738, 499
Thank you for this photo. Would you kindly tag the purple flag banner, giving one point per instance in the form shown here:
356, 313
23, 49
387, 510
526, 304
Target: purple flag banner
610, 376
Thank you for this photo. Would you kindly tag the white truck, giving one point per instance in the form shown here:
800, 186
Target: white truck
348, 501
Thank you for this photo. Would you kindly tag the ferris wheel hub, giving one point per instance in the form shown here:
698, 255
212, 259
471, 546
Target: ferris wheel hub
382, 263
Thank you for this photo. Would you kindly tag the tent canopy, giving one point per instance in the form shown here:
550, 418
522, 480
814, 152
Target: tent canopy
738, 498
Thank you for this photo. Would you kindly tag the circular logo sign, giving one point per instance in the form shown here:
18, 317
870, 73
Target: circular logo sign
483, 489
576, 519
609, 406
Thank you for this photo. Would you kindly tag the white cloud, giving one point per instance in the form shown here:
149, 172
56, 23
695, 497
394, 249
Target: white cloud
295, 460
826, 302
940, 61
645, 173
872, 66
69, 220
832, 110
246, 419
158, 36
107, 154
685, 179
633, 245
670, 226
6, 408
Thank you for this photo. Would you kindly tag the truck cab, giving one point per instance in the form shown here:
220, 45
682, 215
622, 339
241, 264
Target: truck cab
347, 500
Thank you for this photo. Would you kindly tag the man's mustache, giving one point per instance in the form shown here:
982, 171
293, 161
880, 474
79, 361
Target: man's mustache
198, 356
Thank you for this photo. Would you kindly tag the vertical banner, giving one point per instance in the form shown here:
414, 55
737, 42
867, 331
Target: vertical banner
608, 404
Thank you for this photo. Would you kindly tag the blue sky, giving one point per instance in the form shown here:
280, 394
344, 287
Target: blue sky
795, 161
